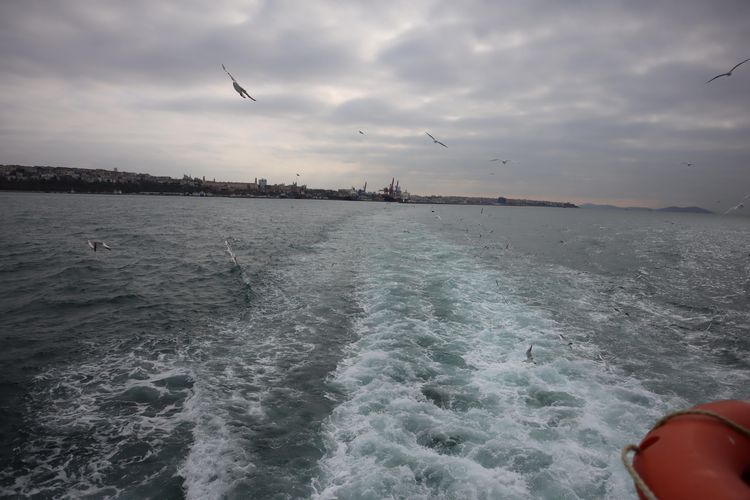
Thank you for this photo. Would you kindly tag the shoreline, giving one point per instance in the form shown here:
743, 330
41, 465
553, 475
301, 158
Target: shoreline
431, 200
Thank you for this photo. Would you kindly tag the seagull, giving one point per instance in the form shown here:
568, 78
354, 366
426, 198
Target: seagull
688, 164
504, 162
231, 253
728, 73
529, 356
95, 244
435, 140
361, 132
738, 205
565, 340
242, 92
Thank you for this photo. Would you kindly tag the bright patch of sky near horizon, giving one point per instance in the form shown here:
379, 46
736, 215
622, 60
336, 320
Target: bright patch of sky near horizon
592, 101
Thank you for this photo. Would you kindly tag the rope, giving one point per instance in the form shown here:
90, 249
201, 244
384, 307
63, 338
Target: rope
640, 483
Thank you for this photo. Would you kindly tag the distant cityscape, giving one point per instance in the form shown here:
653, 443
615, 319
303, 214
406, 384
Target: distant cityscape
101, 181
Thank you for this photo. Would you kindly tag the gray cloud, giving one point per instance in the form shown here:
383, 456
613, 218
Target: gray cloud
594, 100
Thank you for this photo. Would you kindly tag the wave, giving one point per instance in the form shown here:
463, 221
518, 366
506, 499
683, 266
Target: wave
439, 403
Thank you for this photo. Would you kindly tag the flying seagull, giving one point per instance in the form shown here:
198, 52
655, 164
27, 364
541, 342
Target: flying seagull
728, 73
565, 340
236, 85
738, 205
688, 164
504, 162
435, 140
231, 253
361, 132
529, 356
95, 244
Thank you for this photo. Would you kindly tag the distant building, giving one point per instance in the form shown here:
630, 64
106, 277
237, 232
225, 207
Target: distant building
229, 187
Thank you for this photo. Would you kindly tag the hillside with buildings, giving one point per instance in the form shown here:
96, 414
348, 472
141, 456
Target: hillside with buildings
100, 181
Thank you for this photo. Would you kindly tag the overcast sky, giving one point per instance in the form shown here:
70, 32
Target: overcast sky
591, 100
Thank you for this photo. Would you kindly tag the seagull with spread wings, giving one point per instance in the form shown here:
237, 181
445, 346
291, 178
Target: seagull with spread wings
435, 140
728, 73
242, 92
738, 205
96, 244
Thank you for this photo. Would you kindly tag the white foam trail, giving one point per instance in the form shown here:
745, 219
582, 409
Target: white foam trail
440, 403
246, 386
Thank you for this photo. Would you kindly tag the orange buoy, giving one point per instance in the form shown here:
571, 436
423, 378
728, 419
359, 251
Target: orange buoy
698, 456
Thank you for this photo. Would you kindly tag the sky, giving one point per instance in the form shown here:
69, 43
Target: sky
600, 101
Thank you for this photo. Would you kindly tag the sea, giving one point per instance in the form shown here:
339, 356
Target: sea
281, 348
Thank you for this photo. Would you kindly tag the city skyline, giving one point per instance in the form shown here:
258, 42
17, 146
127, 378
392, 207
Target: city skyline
590, 102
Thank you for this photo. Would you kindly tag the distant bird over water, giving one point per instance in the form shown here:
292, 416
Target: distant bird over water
688, 164
728, 73
96, 244
565, 340
529, 356
231, 253
242, 92
435, 140
361, 132
738, 205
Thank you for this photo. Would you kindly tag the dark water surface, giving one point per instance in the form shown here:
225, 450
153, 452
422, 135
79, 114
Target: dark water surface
353, 350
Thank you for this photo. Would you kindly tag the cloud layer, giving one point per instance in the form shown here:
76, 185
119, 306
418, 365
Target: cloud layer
593, 101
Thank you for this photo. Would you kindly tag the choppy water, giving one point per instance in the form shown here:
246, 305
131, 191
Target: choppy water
305, 349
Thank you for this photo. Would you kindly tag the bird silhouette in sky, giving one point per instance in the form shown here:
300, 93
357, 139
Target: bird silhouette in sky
242, 92
435, 140
728, 73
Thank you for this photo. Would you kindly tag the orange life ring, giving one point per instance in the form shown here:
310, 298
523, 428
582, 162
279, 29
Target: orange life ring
698, 456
